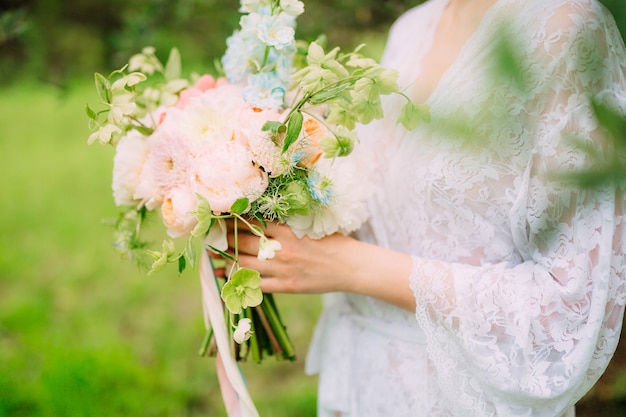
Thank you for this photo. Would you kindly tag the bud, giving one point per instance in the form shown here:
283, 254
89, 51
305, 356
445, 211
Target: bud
243, 330
298, 197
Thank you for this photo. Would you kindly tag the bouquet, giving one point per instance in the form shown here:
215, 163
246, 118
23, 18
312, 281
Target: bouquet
264, 140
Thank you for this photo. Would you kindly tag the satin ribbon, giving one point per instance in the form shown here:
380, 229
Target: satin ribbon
235, 394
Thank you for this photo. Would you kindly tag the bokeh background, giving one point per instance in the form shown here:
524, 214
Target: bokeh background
83, 332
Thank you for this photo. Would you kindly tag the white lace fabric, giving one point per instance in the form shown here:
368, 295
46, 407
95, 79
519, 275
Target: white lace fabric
519, 277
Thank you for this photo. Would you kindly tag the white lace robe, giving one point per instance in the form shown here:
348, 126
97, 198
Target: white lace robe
519, 278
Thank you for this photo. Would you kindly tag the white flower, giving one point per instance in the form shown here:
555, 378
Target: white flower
148, 192
128, 164
274, 31
217, 236
345, 209
106, 134
243, 330
254, 6
268, 248
130, 80
146, 61
122, 106
292, 7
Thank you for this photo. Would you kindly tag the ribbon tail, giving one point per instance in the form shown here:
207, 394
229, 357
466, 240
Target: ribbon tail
235, 394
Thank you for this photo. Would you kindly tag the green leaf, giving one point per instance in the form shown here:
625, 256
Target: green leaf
271, 126
173, 66
204, 215
90, 112
240, 205
366, 110
328, 94
610, 119
221, 252
412, 115
294, 126
160, 261
144, 130
190, 254
181, 264
103, 86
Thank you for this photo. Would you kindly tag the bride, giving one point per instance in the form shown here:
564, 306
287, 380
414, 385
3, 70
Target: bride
483, 284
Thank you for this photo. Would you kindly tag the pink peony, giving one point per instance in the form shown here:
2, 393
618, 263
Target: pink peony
224, 172
170, 160
176, 211
265, 152
206, 82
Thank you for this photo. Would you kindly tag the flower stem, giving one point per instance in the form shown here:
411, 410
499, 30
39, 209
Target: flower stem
253, 343
270, 312
205, 343
269, 330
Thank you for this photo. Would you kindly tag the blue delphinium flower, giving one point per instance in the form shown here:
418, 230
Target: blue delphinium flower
275, 31
235, 61
265, 90
261, 52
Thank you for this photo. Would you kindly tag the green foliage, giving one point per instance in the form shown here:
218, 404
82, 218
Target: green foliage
59, 40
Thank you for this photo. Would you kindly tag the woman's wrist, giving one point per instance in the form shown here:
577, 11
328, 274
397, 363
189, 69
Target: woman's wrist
378, 272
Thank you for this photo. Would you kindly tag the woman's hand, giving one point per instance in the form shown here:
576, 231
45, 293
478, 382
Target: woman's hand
331, 264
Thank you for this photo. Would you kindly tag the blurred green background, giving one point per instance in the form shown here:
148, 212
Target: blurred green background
82, 332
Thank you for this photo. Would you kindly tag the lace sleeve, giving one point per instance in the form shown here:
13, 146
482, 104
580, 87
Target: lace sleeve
532, 338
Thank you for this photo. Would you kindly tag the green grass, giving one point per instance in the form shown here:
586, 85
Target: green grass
83, 332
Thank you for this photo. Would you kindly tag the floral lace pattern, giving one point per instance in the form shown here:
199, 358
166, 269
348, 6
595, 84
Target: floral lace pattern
520, 279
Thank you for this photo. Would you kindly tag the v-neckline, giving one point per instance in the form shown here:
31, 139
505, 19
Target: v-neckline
467, 46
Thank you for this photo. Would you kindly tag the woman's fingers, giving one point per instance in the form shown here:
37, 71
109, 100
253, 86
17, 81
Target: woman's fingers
270, 229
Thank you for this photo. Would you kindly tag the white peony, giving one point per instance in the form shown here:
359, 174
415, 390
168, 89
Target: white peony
128, 165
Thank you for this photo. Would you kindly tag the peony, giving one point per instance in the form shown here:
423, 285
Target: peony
170, 160
176, 210
210, 116
224, 172
265, 152
204, 83
128, 165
